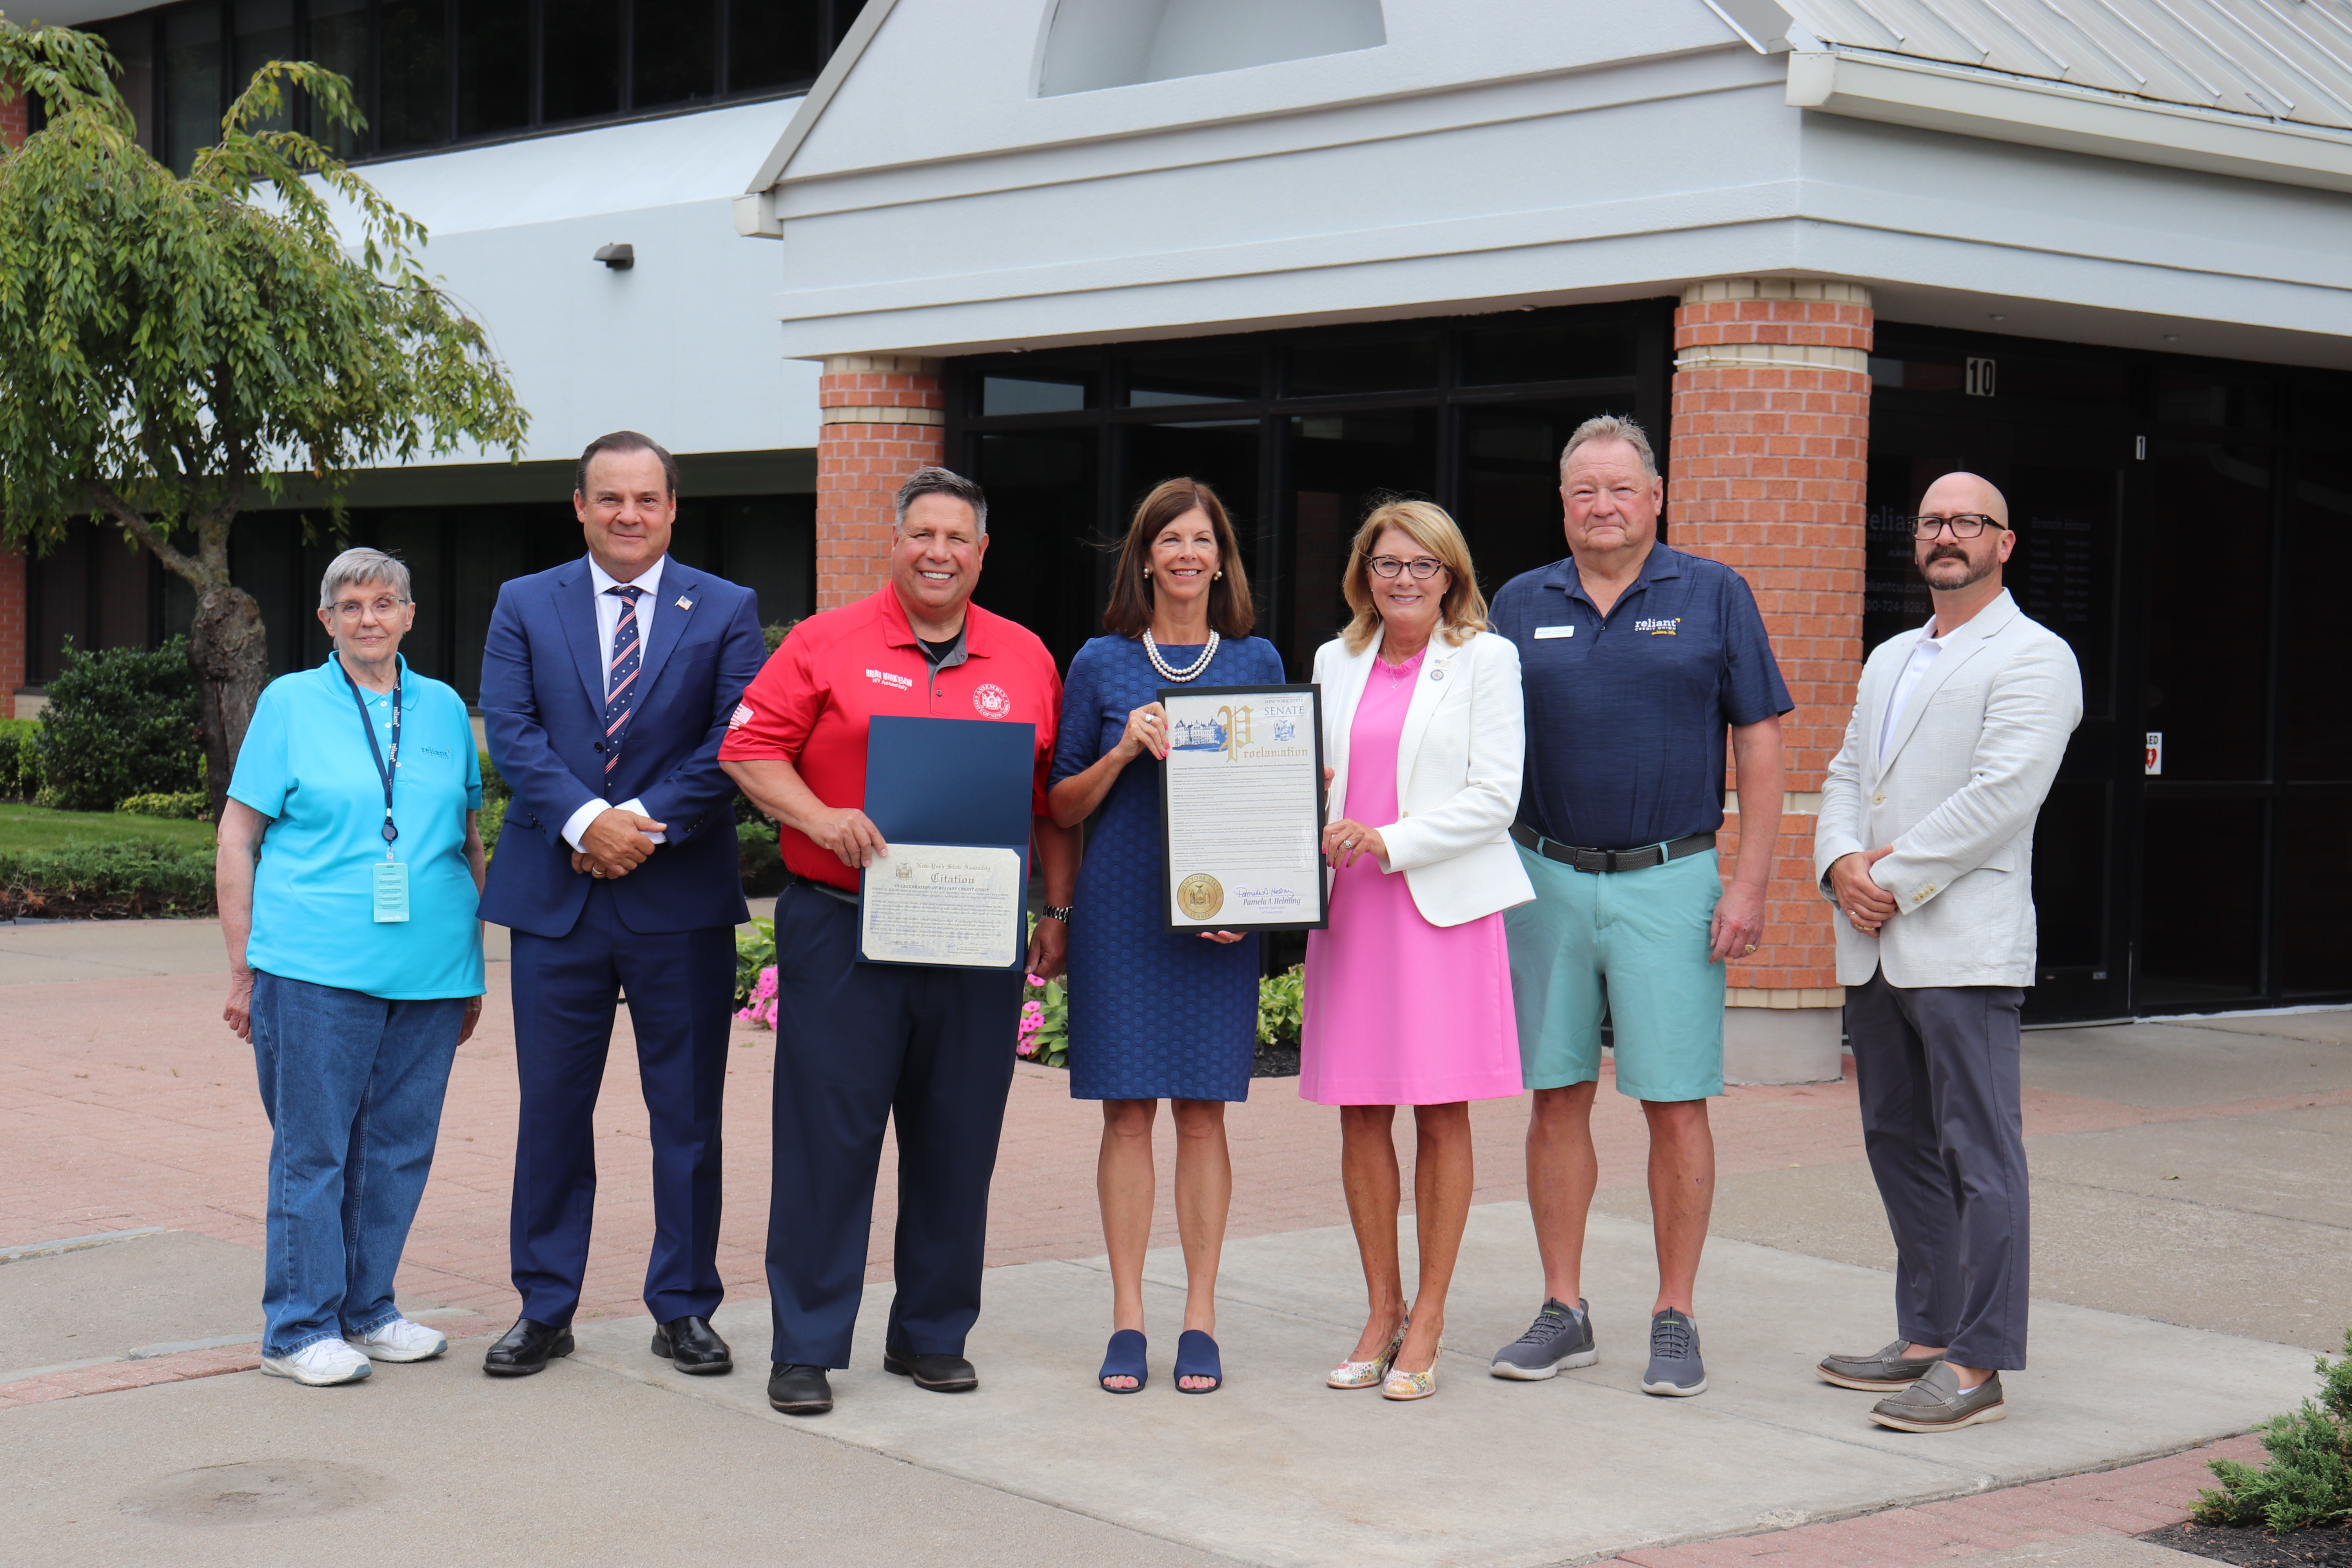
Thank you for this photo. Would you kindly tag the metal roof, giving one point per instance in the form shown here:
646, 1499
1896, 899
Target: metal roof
2278, 59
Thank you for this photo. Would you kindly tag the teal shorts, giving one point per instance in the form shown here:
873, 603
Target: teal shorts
1633, 943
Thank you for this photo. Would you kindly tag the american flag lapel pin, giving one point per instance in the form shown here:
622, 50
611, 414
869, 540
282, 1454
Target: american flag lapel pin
684, 603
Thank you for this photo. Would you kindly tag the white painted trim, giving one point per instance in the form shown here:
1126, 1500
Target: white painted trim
1933, 96
828, 82
1772, 356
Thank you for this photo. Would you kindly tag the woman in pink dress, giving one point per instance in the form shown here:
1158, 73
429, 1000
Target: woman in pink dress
1409, 991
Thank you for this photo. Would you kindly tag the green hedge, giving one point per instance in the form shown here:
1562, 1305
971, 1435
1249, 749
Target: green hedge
189, 805
130, 877
120, 721
20, 758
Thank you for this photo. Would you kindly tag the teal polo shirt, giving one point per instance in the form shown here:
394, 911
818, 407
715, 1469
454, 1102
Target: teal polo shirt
306, 766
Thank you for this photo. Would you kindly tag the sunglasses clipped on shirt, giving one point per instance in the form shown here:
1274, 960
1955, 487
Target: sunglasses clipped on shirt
1964, 525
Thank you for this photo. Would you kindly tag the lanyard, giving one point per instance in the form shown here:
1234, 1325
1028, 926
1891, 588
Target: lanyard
384, 769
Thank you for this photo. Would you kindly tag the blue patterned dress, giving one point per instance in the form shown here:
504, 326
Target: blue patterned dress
1154, 1013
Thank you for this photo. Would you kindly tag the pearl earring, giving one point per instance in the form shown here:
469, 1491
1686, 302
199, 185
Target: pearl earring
1220, 577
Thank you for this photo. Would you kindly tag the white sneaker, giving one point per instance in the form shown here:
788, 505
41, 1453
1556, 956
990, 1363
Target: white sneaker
401, 1339
320, 1364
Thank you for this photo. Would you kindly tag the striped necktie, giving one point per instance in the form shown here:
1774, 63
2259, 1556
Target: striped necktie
621, 673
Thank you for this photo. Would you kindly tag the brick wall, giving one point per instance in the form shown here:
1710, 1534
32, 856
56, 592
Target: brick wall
1771, 438
13, 109
882, 416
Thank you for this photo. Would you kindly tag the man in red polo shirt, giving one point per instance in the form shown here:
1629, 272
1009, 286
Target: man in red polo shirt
857, 1042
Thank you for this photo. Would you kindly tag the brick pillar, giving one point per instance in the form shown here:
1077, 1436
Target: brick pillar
881, 418
15, 108
1771, 442
15, 627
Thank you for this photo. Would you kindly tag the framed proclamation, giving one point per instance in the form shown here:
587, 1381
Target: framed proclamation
1242, 801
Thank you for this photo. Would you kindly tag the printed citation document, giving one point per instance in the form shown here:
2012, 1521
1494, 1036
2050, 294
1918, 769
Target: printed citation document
943, 903
1241, 794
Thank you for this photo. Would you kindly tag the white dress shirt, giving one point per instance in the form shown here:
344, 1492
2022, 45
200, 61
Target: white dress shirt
1923, 654
608, 621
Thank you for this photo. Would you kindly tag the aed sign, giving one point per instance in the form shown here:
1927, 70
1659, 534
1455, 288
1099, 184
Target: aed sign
2155, 752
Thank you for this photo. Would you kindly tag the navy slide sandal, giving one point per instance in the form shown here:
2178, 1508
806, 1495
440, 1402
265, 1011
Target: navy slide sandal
1196, 1356
1124, 1358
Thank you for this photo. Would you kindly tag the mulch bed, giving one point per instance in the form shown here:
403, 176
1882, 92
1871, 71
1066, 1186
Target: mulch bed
24, 903
1276, 1061
2250, 1546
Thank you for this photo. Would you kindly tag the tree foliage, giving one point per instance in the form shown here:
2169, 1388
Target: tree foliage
172, 346
2308, 1480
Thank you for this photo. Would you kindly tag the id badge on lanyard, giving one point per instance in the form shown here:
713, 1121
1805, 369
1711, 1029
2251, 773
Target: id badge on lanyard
388, 892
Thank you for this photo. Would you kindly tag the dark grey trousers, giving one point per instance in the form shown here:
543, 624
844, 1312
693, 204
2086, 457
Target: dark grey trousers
1942, 1119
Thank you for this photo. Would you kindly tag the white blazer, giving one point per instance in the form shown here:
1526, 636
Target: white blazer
1458, 766
1964, 776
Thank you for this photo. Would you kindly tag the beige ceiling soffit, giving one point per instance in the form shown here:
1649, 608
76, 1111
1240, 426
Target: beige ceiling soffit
755, 209
1934, 96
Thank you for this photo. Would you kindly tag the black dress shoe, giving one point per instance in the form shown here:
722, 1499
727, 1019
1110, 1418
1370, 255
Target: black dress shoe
691, 1345
526, 1348
799, 1390
939, 1373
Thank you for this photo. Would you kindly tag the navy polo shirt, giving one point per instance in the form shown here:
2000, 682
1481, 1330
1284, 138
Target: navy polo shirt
1626, 711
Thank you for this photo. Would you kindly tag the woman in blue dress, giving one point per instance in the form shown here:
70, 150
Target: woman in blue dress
1156, 1014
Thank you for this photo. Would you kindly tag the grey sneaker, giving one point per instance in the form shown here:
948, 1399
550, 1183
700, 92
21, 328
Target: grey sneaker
1934, 1403
1887, 1371
1675, 1366
1562, 1336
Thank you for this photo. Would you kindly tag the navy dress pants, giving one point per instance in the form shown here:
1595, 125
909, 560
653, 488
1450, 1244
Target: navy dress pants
681, 991
1943, 1121
858, 1046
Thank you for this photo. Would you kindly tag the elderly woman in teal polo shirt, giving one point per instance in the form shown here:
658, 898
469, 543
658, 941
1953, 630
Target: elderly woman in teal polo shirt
349, 870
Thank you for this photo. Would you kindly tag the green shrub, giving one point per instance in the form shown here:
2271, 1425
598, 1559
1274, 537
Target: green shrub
754, 949
189, 805
20, 758
1282, 1007
120, 721
494, 785
2308, 1480
759, 861
127, 877
492, 818
776, 631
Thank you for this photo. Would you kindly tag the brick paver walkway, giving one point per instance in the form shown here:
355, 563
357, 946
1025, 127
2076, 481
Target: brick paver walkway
127, 1103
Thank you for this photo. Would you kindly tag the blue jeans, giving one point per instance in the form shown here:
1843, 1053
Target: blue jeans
352, 1085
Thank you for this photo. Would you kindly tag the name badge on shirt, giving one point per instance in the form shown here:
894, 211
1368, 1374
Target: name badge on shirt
391, 891
1543, 632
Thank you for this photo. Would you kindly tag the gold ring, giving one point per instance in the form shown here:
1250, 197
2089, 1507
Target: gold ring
1751, 947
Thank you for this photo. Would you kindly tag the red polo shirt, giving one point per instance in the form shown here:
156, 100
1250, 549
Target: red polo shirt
810, 704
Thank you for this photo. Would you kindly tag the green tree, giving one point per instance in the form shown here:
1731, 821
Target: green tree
172, 347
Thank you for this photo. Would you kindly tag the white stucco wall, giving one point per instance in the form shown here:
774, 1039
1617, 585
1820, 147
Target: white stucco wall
682, 346
1519, 152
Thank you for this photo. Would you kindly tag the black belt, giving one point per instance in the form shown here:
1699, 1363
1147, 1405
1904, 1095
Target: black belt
842, 895
1585, 859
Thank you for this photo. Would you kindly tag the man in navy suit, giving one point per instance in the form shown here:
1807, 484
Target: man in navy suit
606, 687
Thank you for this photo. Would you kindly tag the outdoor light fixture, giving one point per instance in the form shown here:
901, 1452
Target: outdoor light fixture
619, 258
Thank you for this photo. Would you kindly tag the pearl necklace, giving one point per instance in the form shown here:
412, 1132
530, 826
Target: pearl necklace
1151, 651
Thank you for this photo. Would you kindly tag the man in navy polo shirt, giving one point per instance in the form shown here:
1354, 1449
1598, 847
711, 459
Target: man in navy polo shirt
1635, 659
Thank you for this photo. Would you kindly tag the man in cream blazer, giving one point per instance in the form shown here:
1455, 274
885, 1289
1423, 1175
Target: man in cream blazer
1925, 845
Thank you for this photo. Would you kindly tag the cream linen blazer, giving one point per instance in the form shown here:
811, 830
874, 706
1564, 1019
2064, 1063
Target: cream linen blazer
1458, 766
1965, 774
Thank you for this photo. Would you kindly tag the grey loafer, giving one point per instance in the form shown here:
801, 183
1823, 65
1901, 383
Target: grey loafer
1884, 1372
1934, 1403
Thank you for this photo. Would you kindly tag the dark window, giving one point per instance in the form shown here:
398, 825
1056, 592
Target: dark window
1153, 380
2317, 736
2192, 399
2315, 922
265, 32
1042, 571
1338, 465
414, 101
493, 67
1511, 510
770, 44
192, 83
133, 43
2191, 955
1045, 389
582, 75
1346, 368
2208, 604
1556, 351
2062, 571
675, 52
339, 41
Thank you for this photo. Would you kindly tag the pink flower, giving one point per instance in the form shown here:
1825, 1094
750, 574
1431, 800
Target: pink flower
1033, 979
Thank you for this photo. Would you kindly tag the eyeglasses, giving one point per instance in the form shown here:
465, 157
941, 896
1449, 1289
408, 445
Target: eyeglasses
1965, 526
351, 609
1423, 570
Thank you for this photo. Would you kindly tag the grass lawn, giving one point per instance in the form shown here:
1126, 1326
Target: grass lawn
35, 827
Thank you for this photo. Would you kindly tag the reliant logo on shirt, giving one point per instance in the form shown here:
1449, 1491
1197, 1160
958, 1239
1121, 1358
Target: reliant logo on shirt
885, 678
1660, 629
992, 701
743, 715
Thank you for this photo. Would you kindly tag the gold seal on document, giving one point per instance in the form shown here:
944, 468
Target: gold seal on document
1200, 896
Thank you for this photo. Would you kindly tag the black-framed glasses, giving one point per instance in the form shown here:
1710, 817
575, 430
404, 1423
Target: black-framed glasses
1423, 570
1965, 526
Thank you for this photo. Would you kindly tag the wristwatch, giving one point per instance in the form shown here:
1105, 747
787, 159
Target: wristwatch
1061, 912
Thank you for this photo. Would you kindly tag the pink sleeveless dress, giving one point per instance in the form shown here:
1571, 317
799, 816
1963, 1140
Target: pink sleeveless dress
1398, 1011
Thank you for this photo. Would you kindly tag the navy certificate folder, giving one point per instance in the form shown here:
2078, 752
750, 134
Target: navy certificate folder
951, 780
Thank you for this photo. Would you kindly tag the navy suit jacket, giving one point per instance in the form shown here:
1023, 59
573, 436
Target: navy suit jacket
544, 707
